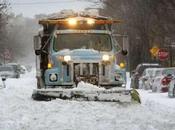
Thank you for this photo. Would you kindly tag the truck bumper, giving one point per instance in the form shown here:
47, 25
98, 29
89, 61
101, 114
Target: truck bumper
114, 95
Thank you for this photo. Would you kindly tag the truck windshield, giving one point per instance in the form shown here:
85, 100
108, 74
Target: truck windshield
100, 42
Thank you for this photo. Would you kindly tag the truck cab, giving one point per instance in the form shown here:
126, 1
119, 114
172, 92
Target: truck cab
77, 48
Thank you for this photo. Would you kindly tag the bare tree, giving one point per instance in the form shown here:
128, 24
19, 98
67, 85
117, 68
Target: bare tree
20, 32
3, 21
3, 17
147, 23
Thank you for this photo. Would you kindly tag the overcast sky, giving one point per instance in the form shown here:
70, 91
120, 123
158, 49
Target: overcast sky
31, 7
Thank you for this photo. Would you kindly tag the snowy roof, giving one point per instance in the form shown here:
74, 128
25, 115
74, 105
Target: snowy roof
70, 13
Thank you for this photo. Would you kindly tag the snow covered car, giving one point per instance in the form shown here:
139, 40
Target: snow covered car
137, 73
9, 72
161, 82
28, 68
171, 88
16, 66
23, 69
148, 76
155, 72
144, 79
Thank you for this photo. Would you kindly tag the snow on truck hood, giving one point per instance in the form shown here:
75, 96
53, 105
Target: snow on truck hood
81, 54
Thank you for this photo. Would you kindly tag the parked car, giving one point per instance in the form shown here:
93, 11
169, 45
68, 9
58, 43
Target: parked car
144, 78
156, 72
161, 82
171, 88
147, 78
16, 66
8, 71
137, 73
23, 69
28, 68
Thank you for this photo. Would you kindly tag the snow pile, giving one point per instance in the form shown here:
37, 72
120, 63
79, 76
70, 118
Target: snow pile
157, 101
87, 87
19, 112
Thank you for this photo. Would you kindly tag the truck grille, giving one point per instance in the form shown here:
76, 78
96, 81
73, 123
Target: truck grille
87, 72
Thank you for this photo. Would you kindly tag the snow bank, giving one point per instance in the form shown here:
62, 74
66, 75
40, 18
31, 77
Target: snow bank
157, 101
19, 112
87, 87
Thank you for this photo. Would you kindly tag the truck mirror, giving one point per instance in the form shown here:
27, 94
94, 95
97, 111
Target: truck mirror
124, 52
133, 72
37, 44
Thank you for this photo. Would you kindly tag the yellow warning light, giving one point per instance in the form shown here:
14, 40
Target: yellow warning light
90, 21
49, 65
122, 65
72, 21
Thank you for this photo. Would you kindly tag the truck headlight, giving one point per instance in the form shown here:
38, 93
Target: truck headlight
53, 77
67, 58
72, 21
90, 21
105, 57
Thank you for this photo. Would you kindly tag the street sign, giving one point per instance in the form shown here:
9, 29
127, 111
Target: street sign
154, 51
163, 54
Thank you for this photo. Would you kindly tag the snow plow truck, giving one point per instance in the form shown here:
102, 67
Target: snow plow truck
72, 48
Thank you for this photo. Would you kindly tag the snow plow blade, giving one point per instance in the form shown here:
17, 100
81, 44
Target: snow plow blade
108, 95
135, 95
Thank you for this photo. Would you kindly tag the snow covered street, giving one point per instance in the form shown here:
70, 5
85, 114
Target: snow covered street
19, 112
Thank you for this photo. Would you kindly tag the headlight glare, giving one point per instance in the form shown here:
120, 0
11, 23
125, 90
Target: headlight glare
105, 58
90, 21
67, 58
72, 21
